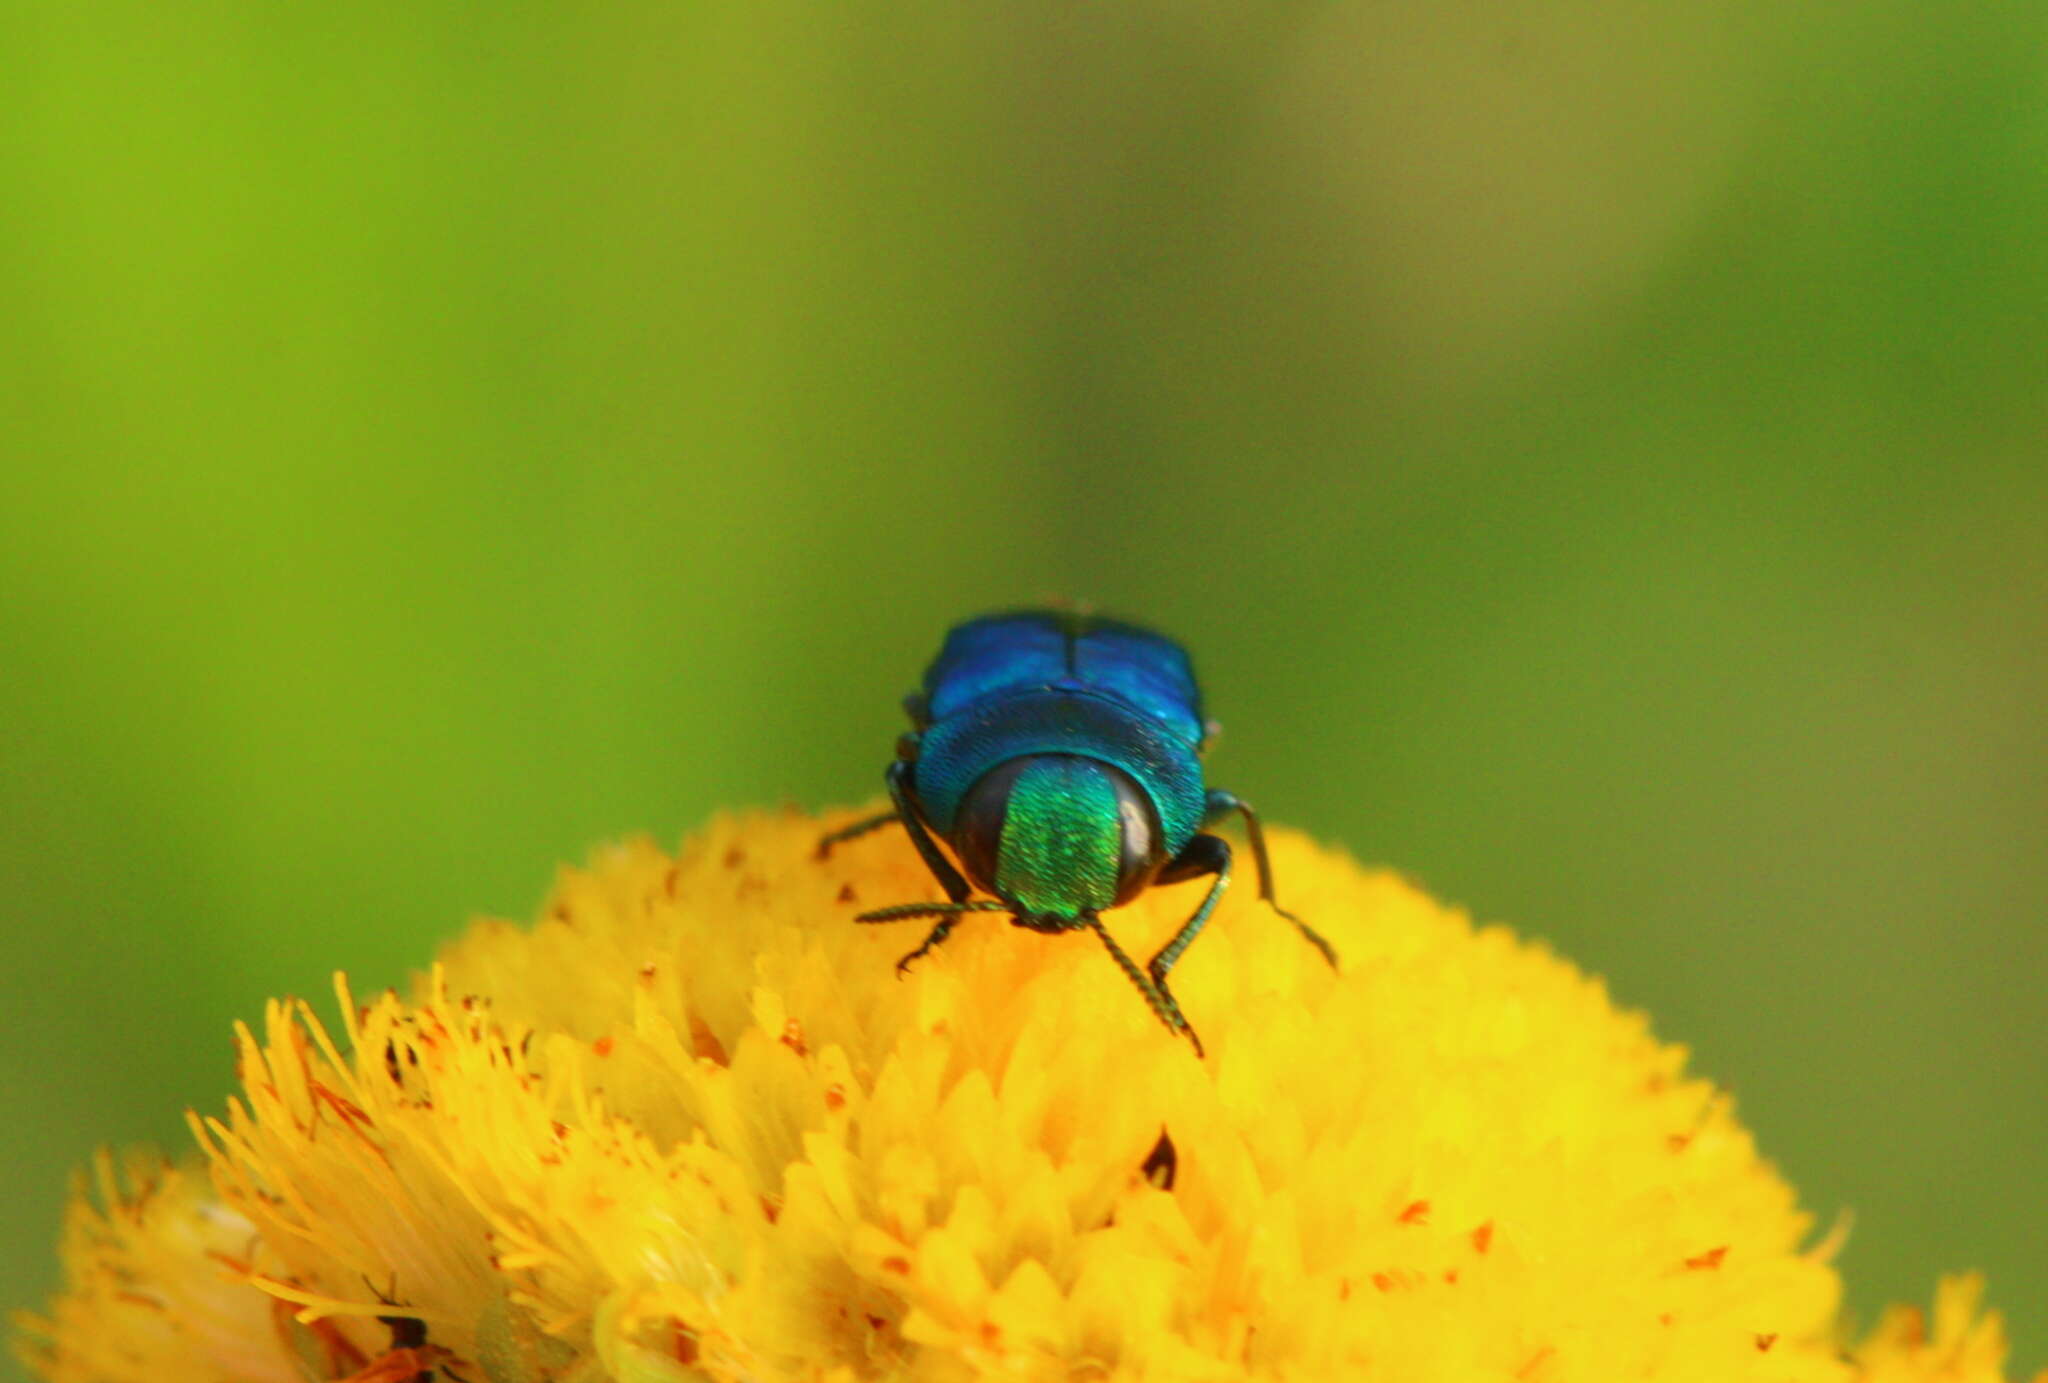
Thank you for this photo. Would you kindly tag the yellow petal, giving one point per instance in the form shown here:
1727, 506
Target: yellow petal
690, 1125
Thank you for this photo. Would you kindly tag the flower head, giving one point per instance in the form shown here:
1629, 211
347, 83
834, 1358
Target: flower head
691, 1126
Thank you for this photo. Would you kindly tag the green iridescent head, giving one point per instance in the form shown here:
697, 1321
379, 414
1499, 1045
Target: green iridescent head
1058, 836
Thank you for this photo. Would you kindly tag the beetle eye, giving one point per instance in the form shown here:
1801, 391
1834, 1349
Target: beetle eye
1139, 820
978, 824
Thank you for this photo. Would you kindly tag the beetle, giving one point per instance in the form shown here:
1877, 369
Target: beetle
1058, 754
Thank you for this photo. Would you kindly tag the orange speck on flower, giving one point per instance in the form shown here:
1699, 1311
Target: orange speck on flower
781, 1164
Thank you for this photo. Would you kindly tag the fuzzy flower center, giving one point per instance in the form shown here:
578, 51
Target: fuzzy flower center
691, 1126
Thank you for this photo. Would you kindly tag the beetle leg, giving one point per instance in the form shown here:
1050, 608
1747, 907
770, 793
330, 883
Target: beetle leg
1221, 804
942, 868
932, 938
855, 831
1205, 854
1157, 997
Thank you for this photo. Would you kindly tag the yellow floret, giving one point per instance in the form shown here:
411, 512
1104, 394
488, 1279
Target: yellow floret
691, 1126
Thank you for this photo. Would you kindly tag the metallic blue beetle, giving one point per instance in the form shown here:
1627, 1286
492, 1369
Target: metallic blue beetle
1058, 754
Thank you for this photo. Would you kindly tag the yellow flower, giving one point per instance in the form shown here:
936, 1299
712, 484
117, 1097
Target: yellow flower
690, 1126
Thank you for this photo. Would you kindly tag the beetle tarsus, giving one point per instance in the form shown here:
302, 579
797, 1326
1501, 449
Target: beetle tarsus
853, 832
1309, 934
937, 935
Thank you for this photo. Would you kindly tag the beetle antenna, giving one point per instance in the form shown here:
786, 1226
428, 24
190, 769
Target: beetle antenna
902, 911
947, 913
1157, 997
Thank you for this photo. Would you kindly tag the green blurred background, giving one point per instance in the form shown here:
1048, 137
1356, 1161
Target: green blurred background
1596, 454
